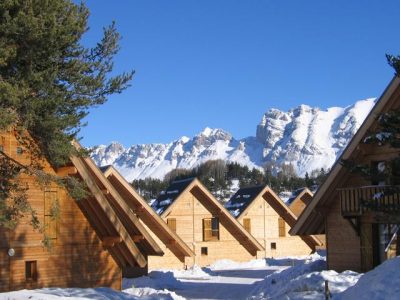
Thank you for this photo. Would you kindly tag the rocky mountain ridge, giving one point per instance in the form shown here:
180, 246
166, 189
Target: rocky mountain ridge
306, 137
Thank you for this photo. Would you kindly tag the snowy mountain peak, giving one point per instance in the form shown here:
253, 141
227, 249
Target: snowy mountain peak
306, 137
216, 133
207, 131
184, 140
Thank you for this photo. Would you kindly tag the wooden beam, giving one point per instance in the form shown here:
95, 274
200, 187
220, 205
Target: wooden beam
108, 210
105, 191
122, 207
381, 217
139, 208
67, 171
93, 214
148, 216
137, 238
110, 241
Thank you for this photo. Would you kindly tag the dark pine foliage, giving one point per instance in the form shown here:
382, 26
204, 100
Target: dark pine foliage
48, 82
386, 133
217, 176
394, 62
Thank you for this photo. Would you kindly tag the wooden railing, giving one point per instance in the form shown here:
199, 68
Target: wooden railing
359, 200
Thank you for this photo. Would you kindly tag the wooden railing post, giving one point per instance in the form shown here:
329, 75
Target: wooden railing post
359, 200
327, 292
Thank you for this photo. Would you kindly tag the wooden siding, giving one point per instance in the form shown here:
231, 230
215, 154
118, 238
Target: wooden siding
76, 258
189, 212
342, 241
265, 228
299, 204
169, 260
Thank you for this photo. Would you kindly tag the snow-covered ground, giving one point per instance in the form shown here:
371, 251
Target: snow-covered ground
285, 278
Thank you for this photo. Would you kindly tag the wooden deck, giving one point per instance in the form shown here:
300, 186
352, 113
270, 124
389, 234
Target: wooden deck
357, 201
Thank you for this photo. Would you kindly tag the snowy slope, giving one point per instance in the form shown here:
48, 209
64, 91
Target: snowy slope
308, 138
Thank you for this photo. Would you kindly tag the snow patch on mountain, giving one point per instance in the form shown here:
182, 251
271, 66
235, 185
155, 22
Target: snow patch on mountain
306, 137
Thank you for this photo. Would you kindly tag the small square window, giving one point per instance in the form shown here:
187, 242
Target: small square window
31, 270
204, 251
273, 246
19, 150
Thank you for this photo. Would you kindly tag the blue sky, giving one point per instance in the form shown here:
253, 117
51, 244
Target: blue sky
223, 63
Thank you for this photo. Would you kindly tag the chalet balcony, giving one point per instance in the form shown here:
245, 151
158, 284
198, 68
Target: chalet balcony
357, 201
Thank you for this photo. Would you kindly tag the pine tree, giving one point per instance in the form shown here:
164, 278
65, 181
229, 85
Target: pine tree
394, 62
48, 83
386, 133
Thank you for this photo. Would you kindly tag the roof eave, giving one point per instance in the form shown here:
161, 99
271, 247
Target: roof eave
383, 99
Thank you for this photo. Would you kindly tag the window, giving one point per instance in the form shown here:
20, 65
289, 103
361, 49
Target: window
282, 229
50, 214
19, 150
31, 270
1, 148
247, 224
211, 229
273, 246
204, 251
171, 222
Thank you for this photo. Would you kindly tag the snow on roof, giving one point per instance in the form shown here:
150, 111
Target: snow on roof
297, 192
294, 195
241, 199
104, 168
166, 198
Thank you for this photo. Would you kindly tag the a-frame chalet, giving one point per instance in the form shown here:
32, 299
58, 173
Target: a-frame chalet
91, 241
176, 253
204, 224
263, 214
299, 199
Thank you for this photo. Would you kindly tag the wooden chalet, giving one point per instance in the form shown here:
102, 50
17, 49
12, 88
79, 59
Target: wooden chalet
176, 253
299, 200
92, 239
360, 218
263, 214
204, 224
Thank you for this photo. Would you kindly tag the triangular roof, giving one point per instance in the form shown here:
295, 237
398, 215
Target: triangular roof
312, 220
241, 199
167, 197
146, 214
127, 239
194, 186
297, 194
301, 198
279, 206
